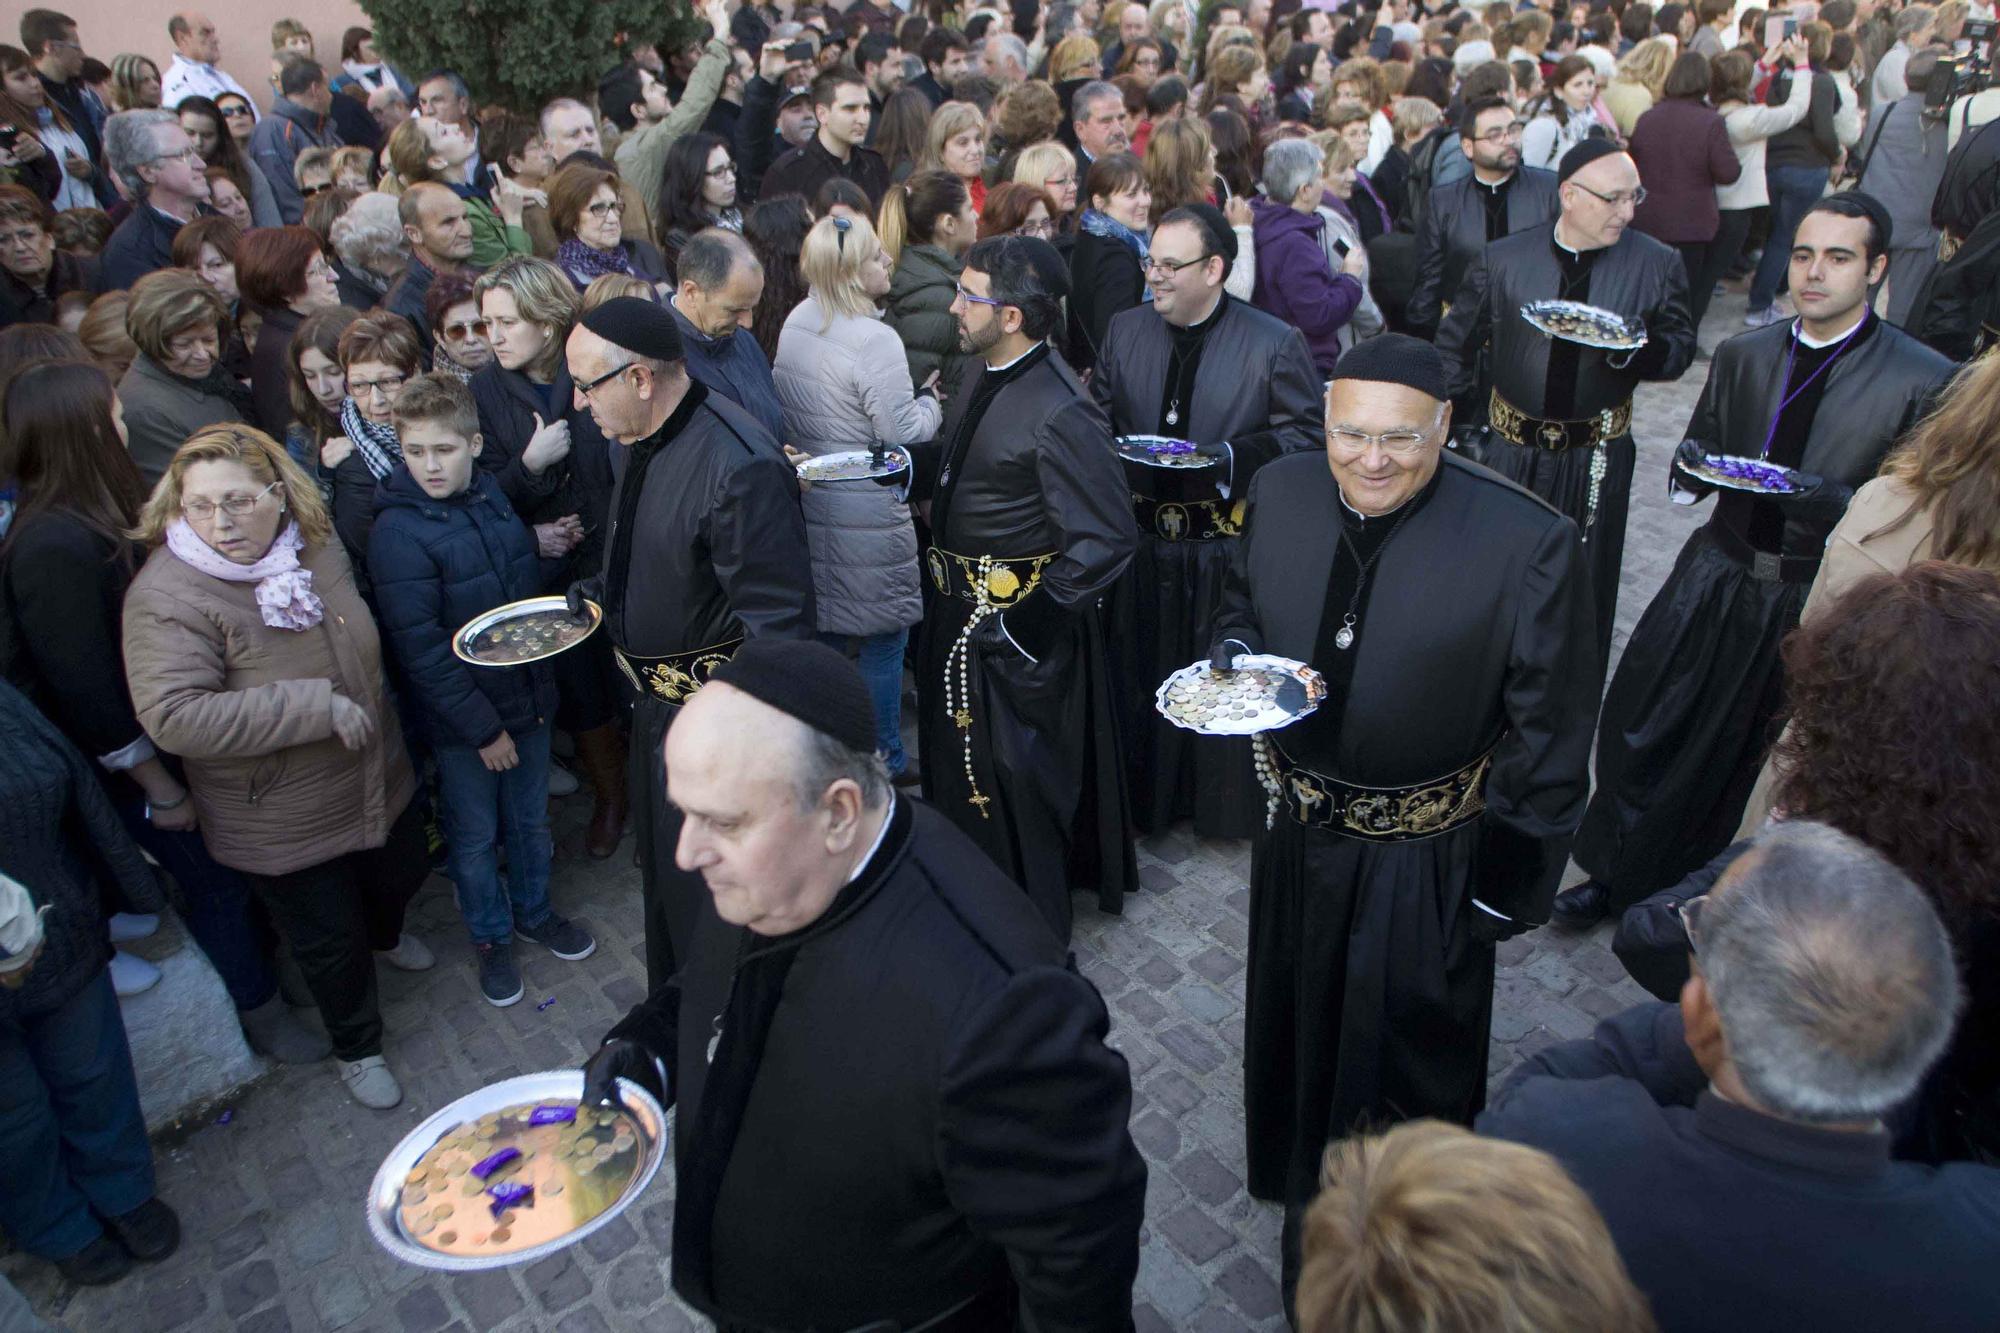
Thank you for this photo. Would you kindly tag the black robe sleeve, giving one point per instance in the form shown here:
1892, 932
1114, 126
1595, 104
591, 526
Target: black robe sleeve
1427, 297
1036, 1153
1236, 617
654, 1024
1464, 333
757, 540
1670, 336
1540, 777
1089, 511
1298, 412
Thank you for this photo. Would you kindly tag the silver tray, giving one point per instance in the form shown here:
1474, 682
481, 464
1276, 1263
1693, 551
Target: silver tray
385, 1192
1606, 329
1294, 691
462, 642
1708, 471
1133, 449
816, 470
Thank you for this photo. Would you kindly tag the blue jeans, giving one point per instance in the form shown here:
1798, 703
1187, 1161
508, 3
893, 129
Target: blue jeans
881, 662
218, 904
478, 806
72, 1137
1794, 190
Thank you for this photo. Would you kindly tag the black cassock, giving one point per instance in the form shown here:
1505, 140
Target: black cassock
1369, 996
1024, 475
1244, 378
1462, 219
904, 1109
1553, 380
1690, 713
707, 547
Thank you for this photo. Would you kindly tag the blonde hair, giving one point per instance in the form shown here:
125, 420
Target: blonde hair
1037, 162
103, 333
606, 286
126, 77
1430, 1227
543, 294
1647, 64
1337, 155
265, 459
832, 264
352, 156
1951, 465
947, 123
1413, 116
1075, 57
169, 301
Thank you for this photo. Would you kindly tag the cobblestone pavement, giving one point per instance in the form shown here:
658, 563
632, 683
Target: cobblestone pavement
270, 1201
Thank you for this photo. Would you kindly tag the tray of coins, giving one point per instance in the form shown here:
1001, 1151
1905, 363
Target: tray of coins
1262, 693
1590, 325
1160, 451
525, 631
513, 1172
1741, 474
854, 465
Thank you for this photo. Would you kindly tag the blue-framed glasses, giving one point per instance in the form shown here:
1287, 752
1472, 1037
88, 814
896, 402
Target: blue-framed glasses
977, 299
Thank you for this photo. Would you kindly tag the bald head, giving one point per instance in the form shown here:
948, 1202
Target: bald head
1598, 201
195, 37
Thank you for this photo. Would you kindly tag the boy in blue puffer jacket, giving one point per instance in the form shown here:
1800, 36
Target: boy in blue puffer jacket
446, 547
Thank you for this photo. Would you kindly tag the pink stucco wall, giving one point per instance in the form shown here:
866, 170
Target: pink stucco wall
109, 27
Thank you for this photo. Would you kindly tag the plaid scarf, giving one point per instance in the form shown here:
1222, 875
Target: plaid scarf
377, 445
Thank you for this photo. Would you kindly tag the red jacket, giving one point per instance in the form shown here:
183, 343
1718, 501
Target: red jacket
1683, 152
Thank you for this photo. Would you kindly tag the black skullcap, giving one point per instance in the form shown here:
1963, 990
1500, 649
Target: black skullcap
637, 325
807, 679
1581, 156
1394, 358
1215, 228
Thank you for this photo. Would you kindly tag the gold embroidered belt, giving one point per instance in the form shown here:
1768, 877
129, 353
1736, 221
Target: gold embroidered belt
1510, 423
1188, 520
1383, 814
676, 676
986, 580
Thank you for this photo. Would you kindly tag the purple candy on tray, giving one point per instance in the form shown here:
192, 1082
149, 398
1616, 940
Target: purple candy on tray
507, 1195
491, 1164
1175, 447
1763, 475
552, 1115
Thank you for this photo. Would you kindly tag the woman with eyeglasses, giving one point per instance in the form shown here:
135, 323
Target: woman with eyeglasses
177, 383
697, 191
284, 275
927, 226
251, 654
588, 214
555, 468
379, 354
1014, 209
47, 150
34, 274
209, 131
458, 331
844, 384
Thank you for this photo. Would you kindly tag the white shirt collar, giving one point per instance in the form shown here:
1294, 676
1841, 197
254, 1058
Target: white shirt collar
881, 835
1807, 340
1016, 361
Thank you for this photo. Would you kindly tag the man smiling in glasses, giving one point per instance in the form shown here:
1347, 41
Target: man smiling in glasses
1238, 382
1560, 407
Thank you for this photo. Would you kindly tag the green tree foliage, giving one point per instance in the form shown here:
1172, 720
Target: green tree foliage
518, 54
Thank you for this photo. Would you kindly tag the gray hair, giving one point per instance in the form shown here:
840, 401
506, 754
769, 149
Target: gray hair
387, 95
1831, 973
711, 256
560, 104
369, 235
1917, 73
1914, 20
1288, 165
824, 761
1091, 93
1013, 46
129, 145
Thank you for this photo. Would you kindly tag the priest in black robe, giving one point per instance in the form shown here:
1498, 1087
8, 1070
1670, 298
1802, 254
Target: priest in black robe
896, 1106
1193, 365
707, 547
1559, 414
1498, 198
1690, 713
1030, 525
1425, 810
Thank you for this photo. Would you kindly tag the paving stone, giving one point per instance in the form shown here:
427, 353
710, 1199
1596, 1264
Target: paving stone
1156, 1136
1195, 1235
1206, 1178
585, 1319
339, 1297
557, 1282
1191, 1048
487, 1298
1203, 1003
422, 1311
1252, 1286
611, 1240
1173, 1092
637, 1282
1217, 964
273, 1319
249, 1286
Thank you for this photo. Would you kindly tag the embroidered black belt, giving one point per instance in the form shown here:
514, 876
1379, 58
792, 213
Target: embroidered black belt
1188, 520
1764, 566
986, 580
1512, 424
1383, 814
676, 676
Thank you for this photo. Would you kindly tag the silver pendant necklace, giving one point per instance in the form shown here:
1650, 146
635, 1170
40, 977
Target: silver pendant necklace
1343, 638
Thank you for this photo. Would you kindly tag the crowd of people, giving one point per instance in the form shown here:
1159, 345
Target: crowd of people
293, 385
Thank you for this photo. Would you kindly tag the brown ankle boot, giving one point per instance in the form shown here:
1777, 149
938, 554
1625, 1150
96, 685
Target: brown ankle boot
600, 756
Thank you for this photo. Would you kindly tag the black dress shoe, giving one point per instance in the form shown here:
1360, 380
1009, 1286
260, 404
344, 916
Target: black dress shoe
96, 1264
1582, 907
150, 1231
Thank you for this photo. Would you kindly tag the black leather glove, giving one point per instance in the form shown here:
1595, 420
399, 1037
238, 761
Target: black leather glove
1470, 443
616, 1059
1490, 929
1222, 650
1818, 497
581, 591
1691, 453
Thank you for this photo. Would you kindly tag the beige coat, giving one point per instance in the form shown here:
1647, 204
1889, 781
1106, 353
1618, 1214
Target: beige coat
248, 708
1857, 549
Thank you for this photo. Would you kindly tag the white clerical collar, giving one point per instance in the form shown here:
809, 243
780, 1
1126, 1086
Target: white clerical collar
1807, 340
881, 835
1557, 233
1015, 362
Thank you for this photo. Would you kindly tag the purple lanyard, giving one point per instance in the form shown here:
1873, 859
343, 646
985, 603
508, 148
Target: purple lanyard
1791, 359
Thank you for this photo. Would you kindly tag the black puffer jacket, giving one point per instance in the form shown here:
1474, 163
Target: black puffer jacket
436, 564
579, 484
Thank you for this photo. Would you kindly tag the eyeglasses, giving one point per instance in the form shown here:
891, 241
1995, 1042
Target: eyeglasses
1618, 200
717, 173
25, 239
388, 386
1170, 267
1043, 227
234, 112
1503, 134
187, 155
1402, 443
236, 506
458, 333
588, 389
308, 191
977, 299
1690, 914
605, 208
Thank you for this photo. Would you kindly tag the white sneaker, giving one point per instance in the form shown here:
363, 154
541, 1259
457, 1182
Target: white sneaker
409, 955
131, 974
562, 782
128, 926
369, 1082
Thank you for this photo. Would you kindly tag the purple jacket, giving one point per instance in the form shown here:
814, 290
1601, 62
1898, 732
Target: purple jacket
1295, 281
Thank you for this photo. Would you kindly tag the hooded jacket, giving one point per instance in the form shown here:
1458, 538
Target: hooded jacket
278, 140
1295, 282
919, 310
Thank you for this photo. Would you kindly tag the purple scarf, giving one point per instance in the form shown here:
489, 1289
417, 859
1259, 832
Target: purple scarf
284, 590
585, 265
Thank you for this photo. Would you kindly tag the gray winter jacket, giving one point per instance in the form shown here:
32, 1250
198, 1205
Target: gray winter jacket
844, 384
